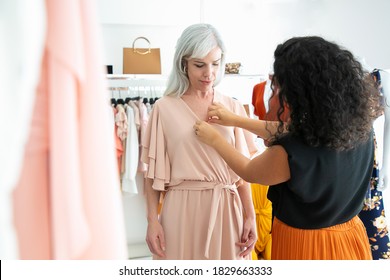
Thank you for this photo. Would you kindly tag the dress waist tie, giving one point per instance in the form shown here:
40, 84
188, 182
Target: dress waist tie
217, 188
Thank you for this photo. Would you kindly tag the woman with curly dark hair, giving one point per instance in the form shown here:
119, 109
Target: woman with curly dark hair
320, 161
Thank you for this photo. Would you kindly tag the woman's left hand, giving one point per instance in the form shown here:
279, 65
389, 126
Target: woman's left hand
206, 133
248, 238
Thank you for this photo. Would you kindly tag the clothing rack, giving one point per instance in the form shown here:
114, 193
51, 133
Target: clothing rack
148, 94
125, 87
118, 88
142, 91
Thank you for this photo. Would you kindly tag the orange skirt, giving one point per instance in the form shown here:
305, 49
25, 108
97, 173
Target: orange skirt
347, 241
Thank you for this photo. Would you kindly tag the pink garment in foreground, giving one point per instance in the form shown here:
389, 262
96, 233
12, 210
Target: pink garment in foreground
84, 202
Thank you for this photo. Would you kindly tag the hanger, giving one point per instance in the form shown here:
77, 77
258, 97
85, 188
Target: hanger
113, 100
120, 99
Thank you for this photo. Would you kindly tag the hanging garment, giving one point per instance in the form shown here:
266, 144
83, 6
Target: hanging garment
382, 77
22, 39
373, 213
118, 143
144, 117
131, 154
258, 99
32, 193
121, 125
121, 122
263, 210
374, 219
79, 175
136, 120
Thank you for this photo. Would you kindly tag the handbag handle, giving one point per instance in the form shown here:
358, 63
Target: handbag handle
136, 51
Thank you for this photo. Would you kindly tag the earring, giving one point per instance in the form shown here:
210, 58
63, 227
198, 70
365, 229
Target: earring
185, 69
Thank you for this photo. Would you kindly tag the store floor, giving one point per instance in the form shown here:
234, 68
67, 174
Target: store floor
139, 251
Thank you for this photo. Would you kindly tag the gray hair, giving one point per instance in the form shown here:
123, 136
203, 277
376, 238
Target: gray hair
196, 41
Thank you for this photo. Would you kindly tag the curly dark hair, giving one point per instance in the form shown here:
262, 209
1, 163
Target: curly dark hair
332, 100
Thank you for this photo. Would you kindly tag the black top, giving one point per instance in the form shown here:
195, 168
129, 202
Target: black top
326, 188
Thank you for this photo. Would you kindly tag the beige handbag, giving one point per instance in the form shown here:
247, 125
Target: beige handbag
141, 60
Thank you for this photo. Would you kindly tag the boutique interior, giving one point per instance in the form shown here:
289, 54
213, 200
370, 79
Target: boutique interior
66, 198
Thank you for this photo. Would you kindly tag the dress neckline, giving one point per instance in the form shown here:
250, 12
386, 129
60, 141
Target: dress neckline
215, 99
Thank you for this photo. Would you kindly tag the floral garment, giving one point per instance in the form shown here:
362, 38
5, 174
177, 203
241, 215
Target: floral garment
374, 219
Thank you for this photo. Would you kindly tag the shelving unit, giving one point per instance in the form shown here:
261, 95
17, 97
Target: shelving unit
125, 85
152, 77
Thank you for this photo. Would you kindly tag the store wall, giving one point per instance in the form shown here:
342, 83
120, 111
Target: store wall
251, 28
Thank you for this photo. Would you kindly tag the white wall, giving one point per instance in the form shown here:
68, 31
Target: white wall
251, 28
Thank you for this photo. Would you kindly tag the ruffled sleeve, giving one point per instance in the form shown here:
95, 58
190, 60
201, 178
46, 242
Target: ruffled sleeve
154, 152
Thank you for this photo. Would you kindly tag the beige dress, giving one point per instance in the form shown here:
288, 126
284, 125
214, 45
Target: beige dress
202, 214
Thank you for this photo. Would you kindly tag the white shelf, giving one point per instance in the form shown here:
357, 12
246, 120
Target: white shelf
244, 75
162, 77
135, 77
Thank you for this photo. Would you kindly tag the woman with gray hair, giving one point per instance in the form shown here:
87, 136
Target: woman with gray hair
207, 210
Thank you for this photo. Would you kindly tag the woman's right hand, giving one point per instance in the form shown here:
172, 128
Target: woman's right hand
155, 239
218, 114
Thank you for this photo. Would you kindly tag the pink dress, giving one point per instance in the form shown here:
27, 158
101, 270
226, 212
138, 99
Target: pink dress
68, 204
202, 214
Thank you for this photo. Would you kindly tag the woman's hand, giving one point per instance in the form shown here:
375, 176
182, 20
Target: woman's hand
248, 238
206, 133
155, 239
218, 114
